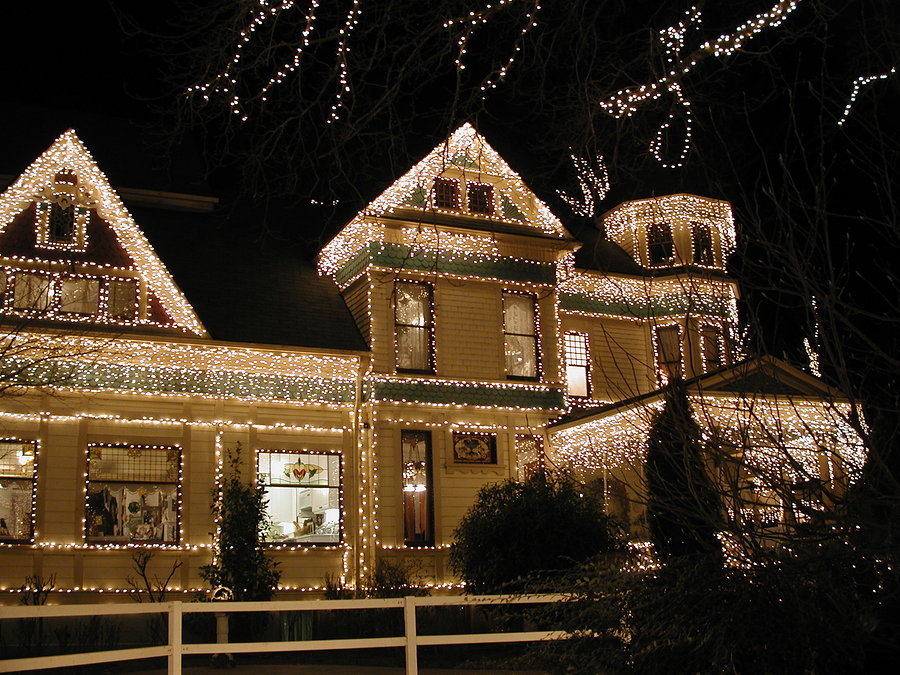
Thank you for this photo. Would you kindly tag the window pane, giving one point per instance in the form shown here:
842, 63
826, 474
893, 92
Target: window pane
133, 494
61, 226
413, 348
303, 490
32, 291
16, 490
712, 347
577, 364
518, 313
521, 356
417, 515
668, 351
122, 299
661, 247
413, 306
703, 253
446, 194
480, 198
577, 381
529, 456
80, 296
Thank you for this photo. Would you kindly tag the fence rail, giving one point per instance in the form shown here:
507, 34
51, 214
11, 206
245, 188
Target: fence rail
175, 649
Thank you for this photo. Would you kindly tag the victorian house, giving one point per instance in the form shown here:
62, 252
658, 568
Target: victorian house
453, 334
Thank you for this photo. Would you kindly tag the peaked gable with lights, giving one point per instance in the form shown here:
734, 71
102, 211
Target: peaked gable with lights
462, 183
70, 250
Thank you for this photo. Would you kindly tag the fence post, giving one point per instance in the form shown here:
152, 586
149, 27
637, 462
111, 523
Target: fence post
409, 622
175, 637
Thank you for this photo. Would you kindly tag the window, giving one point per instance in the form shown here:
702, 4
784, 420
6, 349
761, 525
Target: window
520, 336
446, 193
711, 348
80, 296
413, 326
61, 225
17, 473
133, 494
304, 493
577, 364
418, 519
471, 448
481, 198
660, 245
122, 299
668, 352
703, 248
529, 456
32, 292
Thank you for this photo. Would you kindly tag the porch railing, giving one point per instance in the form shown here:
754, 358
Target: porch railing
175, 648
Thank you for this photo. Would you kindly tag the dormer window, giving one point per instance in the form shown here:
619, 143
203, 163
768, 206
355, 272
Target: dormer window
446, 193
660, 245
481, 198
703, 247
61, 215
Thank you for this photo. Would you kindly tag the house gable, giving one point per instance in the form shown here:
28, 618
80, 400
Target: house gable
61, 218
447, 213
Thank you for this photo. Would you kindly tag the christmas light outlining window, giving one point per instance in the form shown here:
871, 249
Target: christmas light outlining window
480, 197
61, 214
18, 472
660, 246
667, 342
520, 335
712, 348
702, 244
446, 193
413, 327
578, 364
418, 512
474, 448
304, 494
133, 494
75, 295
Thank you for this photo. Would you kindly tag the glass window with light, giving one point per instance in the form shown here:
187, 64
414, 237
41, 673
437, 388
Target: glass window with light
520, 336
133, 494
578, 364
79, 296
418, 516
304, 494
413, 327
668, 352
122, 299
32, 292
17, 485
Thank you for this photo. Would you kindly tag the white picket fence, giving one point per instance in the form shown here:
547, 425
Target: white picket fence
176, 648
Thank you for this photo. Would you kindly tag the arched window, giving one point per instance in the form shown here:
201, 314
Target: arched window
660, 244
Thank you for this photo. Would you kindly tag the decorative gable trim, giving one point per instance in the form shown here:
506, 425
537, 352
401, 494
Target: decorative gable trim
465, 161
68, 155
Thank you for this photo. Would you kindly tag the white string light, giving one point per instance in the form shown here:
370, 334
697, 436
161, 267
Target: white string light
593, 187
627, 101
858, 84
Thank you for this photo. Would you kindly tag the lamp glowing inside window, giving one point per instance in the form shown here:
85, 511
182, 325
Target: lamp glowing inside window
418, 519
304, 494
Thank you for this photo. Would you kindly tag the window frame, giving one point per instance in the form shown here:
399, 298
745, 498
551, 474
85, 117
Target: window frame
427, 329
571, 339
707, 330
417, 511
486, 194
660, 245
7, 477
663, 372
533, 337
702, 248
445, 193
90, 511
338, 488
